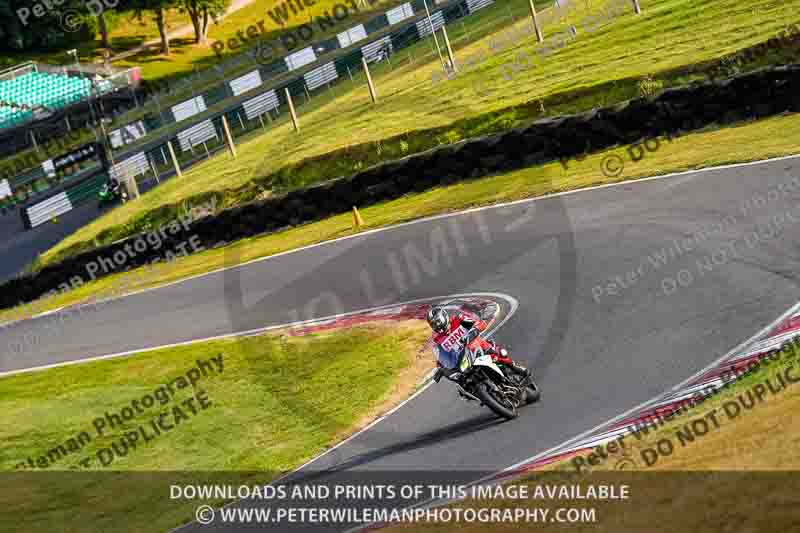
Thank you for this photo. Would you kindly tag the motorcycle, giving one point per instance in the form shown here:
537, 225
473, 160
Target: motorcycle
109, 195
489, 380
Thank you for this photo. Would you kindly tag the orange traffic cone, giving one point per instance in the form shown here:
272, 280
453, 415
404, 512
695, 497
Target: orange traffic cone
357, 220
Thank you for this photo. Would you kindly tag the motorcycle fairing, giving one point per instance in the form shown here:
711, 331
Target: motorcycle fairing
486, 360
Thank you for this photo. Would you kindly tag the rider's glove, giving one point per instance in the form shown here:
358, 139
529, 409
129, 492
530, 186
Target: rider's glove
438, 375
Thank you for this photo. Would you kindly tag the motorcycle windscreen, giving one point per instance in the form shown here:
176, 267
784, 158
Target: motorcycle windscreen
448, 351
448, 358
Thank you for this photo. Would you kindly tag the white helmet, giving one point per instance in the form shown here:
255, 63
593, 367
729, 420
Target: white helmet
438, 319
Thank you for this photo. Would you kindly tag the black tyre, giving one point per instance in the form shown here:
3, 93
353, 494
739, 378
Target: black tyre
484, 392
532, 394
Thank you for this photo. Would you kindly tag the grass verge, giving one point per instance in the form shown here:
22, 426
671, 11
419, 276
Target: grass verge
276, 402
746, 142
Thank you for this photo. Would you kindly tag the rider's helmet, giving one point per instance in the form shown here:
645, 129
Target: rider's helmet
438, 319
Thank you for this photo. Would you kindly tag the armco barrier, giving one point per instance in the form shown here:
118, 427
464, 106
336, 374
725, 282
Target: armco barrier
759, 94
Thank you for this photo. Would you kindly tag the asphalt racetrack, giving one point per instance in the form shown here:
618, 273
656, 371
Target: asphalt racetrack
608, 316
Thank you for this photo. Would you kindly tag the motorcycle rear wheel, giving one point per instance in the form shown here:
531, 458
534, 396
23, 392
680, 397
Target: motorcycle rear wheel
486, 396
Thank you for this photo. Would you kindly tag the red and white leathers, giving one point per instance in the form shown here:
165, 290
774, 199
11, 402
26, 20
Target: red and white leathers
449, 346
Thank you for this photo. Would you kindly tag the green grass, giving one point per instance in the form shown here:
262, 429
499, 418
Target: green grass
745, 142
596, 69
474, 27
187, 58
129, 32
278, 402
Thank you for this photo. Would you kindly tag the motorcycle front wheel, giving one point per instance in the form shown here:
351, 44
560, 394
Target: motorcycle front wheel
497, 405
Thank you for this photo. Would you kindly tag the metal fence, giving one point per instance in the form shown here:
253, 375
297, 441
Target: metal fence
261, 106
255, 101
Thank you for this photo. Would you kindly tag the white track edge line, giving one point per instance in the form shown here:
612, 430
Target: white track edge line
655, 399
513, 302
565, 445
433, 218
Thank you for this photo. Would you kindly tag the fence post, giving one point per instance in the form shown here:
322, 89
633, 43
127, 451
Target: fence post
228, 137
35, 144
153, 167
291, 110
372, 92
433, 31
130, 185
536, 27
174, 159
158, 105
450, 56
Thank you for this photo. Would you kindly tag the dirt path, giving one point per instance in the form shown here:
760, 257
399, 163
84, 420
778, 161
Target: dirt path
188, 29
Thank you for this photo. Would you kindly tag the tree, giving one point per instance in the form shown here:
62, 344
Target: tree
158, 9
102, 27
201, 12
107, 14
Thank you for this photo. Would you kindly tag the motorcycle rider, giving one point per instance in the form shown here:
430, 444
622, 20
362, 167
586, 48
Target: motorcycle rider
114, 186
449, 336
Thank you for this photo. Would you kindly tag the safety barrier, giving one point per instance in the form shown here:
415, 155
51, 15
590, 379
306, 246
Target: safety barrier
760, 94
